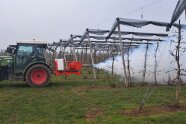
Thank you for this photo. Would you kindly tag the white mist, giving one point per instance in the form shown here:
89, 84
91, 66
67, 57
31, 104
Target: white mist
166, 62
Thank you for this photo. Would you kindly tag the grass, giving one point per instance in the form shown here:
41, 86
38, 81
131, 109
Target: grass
83, 101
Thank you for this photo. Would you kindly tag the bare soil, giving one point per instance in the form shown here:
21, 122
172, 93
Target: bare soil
153, 110
93, 113
89, 88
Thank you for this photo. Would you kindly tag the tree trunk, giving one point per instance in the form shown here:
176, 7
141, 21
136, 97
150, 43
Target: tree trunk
178, 78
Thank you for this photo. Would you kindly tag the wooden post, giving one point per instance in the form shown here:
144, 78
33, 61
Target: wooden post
128, 64
74, 50
100, 54
64, 56
108, 51
54, 54
91, 55
95, 56
156, 64
145, 62
113, 58
122, 54
86, 54
47, 56
60, 52
86, 61
82, 53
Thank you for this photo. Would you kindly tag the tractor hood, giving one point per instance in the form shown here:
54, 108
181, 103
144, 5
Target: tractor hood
5, 60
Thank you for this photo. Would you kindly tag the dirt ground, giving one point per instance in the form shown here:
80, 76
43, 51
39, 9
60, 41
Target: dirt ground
153, 110
93, 113
89, 88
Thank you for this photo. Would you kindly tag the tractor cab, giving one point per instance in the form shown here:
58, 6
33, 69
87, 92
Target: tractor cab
27, 53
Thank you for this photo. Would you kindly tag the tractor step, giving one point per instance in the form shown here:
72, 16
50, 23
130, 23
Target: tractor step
12, 76
4, 73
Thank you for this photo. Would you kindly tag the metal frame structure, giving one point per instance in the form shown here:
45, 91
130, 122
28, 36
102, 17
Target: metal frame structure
96, 39
180, 7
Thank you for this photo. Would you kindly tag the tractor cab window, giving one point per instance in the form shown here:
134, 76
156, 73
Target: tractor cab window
38, 52
25, 49
23, 56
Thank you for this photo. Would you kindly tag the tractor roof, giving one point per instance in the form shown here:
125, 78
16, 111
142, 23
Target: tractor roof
32, 42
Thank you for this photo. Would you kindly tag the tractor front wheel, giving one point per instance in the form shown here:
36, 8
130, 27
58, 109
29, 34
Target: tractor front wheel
38, 75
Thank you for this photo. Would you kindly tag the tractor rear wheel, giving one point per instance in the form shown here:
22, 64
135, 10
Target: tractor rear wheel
38, 75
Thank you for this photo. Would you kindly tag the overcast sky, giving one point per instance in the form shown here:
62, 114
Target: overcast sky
51, 20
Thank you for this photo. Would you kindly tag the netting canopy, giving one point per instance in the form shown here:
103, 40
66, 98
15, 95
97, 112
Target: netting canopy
138, 24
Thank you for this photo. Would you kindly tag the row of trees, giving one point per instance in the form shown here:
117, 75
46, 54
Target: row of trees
2, 52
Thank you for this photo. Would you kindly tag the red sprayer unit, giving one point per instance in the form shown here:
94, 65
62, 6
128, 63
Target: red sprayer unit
67, 68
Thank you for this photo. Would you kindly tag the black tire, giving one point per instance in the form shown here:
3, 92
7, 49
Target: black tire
38, 75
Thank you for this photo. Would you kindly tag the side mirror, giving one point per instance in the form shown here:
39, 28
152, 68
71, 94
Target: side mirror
9, 50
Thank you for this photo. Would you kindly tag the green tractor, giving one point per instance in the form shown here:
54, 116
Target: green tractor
27, 61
